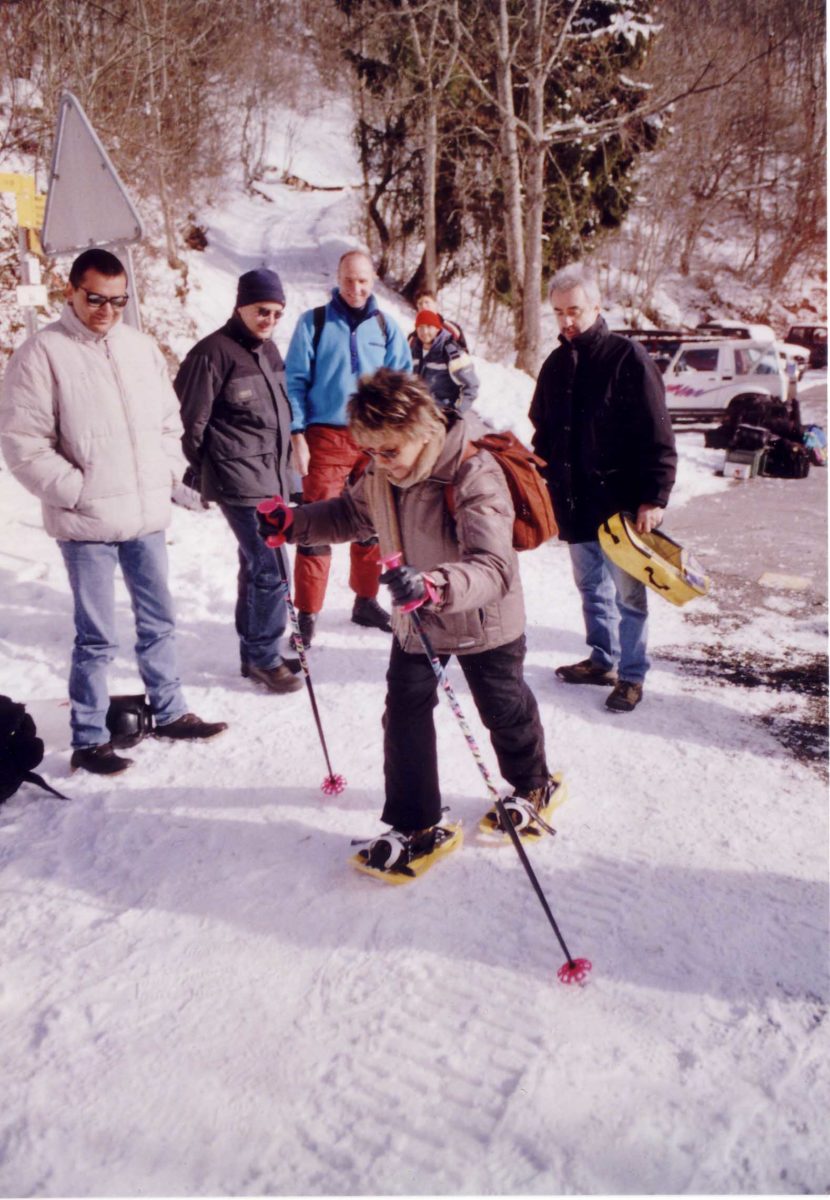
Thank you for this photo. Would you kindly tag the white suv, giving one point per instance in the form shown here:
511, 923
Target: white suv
702, 378
794, 358
704, 374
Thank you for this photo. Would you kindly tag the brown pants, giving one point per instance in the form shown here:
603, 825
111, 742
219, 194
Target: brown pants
332, 454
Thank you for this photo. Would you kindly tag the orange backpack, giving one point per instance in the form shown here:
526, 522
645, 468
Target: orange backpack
534, 522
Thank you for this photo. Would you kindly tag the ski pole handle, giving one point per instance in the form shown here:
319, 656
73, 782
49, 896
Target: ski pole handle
430, 593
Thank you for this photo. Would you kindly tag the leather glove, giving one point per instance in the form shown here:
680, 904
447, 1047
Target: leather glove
274, 521
409, 588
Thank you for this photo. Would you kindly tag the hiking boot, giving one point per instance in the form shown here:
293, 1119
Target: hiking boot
587, 671
191, 728
529, 812
306, 622
100, 760
294, 665
368, 612
625, 696
276, 679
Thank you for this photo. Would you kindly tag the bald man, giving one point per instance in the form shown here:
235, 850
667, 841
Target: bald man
331, 347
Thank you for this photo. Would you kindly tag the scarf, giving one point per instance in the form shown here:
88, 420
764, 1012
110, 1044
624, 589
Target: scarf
380, 493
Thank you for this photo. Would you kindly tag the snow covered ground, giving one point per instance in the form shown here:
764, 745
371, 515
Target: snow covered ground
199, 997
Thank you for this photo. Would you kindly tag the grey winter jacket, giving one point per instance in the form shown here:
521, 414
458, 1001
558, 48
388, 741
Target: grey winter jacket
471, 556
89, 423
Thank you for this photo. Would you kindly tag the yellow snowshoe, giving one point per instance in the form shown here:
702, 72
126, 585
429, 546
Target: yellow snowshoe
530, 814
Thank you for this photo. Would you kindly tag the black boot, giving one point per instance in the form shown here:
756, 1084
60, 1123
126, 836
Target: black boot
368, 612
306, 621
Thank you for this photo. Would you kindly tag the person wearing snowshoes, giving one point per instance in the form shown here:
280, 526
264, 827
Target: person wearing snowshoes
601, 425
446, 369
90, 425
462, 573
330, 348
237, 440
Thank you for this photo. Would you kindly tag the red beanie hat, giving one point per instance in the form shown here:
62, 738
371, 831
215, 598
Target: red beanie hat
427, 317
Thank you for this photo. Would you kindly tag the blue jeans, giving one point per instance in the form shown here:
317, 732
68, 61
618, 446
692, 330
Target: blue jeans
260, 594
91, 567
615, 609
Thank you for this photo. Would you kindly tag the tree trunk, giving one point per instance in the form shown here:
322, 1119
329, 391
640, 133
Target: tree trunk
529, 357
513, 231
430, 185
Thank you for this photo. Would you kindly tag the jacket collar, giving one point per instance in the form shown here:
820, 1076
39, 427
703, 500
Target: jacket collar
236, 328
463, 428
587, 340
354, 316
75, 327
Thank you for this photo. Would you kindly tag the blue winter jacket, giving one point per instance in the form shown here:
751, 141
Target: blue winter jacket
351, 344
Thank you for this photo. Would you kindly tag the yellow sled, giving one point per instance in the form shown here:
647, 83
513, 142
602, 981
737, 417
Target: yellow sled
653, 558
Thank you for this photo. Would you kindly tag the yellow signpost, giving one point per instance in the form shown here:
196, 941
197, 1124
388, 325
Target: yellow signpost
30, 205
30, 210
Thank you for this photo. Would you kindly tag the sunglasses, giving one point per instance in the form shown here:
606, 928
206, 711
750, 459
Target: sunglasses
274, 314
96, 300
384, 455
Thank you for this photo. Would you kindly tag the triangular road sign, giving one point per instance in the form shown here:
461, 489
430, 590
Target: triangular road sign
86, 204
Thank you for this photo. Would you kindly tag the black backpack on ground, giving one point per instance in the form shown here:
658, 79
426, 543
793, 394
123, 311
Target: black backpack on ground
786, 459
21, 750
759, 412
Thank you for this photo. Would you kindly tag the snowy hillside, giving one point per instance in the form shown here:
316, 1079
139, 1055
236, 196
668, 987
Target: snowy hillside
200, 997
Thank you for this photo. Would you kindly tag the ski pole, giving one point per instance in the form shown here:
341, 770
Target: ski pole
574, 970
333, 784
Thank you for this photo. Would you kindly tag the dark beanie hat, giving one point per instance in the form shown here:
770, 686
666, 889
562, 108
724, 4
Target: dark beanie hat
427, 317
257, 285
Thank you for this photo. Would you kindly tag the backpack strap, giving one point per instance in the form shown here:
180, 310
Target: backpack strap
470, 449
319, 319
33, 777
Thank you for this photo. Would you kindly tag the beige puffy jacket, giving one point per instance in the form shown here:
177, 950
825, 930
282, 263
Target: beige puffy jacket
90, 424
471, 556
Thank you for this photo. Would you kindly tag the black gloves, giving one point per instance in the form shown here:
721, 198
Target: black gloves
274, 520
409, 588
405, 585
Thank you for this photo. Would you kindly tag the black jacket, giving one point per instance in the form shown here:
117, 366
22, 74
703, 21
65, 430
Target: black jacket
236, 416
601, 424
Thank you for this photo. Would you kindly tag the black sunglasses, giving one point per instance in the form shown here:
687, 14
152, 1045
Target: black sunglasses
270, 312
96, 300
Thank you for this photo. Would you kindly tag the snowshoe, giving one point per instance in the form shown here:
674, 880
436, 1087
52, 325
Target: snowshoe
398, 857
530, 814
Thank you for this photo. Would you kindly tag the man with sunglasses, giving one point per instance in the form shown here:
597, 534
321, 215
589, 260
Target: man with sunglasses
89, 424
237, 439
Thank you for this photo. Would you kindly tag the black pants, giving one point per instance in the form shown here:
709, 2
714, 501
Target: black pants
505, 704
